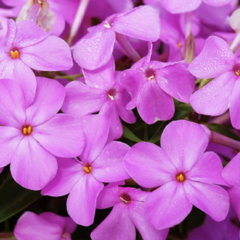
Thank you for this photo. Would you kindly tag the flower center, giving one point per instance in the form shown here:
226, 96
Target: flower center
125, 198
15, 54
112, 93
180, 177
107, 24
87, 168
236, 69
179, 44
150, 74
27, 130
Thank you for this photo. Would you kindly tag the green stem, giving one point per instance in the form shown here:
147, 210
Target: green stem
69, 77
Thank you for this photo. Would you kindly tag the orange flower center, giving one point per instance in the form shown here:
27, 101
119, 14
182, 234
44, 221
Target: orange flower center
27, 130
15, 54
125, 198
180, 177
87, 169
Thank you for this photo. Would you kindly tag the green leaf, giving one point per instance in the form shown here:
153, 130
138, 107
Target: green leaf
15, 198
223, 130
127, 133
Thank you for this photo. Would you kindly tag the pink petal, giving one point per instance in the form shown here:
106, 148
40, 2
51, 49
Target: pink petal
108, 167
217, 3
42, 56
234, 194
70, 225
176, 80
138, 217
69, 172
208, 169
11, 32
28, 34
231, 172
167, 206
184, 142
37, 228
211, 199
117, 226
215, 58
96, 129
81, 202
47, 102
82, 100
154, 104
95, 49
32, 166
12, 105
235, 105
62, 136
142, 23
53, 218
175, 6
214, 98
149, 165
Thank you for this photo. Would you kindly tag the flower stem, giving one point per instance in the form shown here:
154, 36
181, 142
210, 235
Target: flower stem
226, 141
235, 42
7, 236
78, 20
127, 47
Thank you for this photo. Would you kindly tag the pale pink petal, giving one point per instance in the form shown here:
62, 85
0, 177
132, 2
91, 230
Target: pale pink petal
208, 169
11, 32
53, 218
49, 55
167, 206
81, 202
47, 102
95, 49
138, 216
121, 6
62, 136
217, 3
117, 226
108, 166
234, 194
184, 142
69, 172
175, 6
235, 105
214, 98
231, 172
96, 129
215, 58
149, 165
32, 166
154, 104
82, 100
176, 80
211, 199
141, 22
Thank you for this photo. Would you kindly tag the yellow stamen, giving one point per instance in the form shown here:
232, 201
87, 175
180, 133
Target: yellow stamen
180, 177
125, 198
27, 130
237, 72
179, 45
87, 169
111, 97
64, 235
107, 25
15, 54
151, 77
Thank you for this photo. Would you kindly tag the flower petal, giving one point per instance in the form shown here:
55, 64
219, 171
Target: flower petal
234, 194
69, 172
149, 165
81, 202
51, 54
117, 226
167, 206
11, 32
154, 104
217, 3
214, 98
32, 166
235, 105
109, 167
62, 136
47, 102
211, 199
215, 58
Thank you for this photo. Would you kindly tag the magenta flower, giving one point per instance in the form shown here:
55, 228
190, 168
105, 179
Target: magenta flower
128, 212
217, 61
103, 93
32, 136
152, 84
185, 173
47, 225
83, 180
28, 46
95, 49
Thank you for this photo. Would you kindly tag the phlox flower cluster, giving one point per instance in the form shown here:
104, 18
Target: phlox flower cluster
116, 104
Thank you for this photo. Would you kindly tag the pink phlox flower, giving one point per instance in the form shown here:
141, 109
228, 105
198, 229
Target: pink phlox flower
83, 180
32, 136
186, 174
127, 214
47, 225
